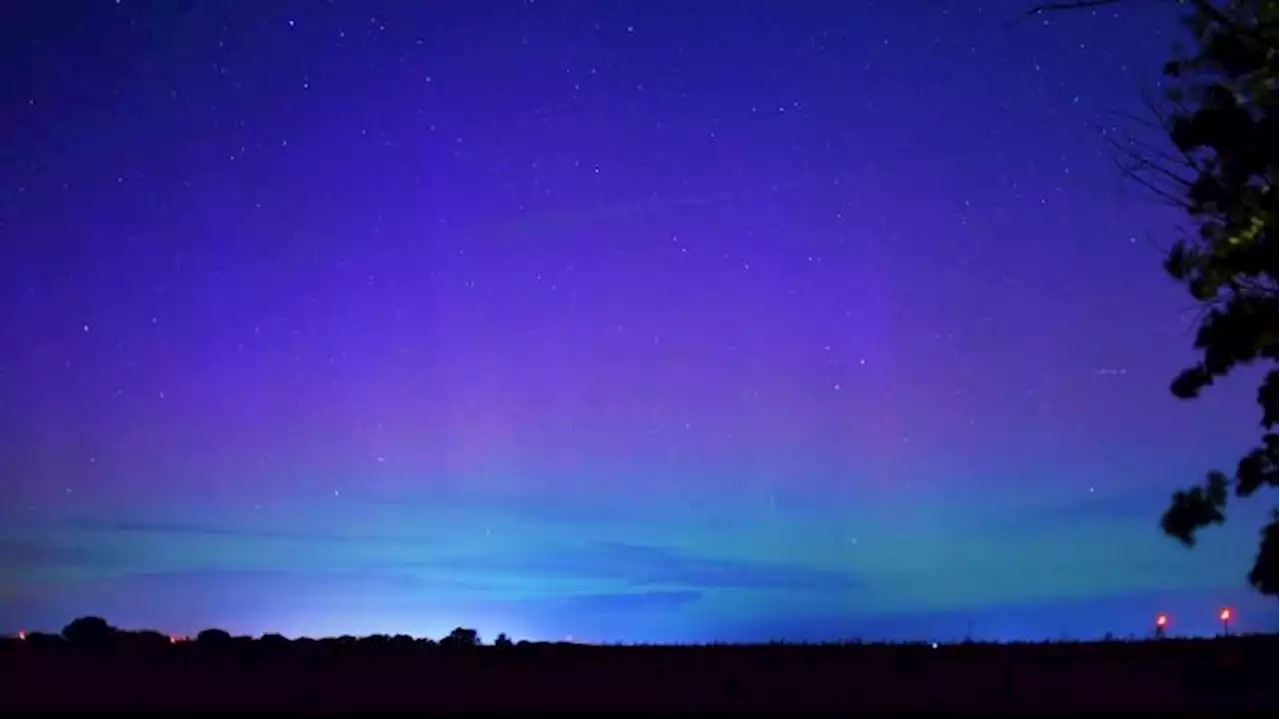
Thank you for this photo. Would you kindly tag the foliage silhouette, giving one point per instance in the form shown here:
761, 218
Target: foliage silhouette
274, 641
503, 641
145, 640
461, 637
1220, 117
213, 638
146, 671
89, 632
43, 639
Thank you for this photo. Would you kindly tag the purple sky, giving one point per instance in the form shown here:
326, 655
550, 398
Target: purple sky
627, 320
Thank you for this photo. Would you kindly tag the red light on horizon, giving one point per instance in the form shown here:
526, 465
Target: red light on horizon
22, 636
1161, 620
1225, 614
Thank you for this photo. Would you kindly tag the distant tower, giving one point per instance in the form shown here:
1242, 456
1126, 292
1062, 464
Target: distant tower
1225, 616
1162, 620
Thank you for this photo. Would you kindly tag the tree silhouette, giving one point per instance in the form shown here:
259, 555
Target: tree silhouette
88, 632
461, 637
1220, 117
274, 641
502, 641
213, 638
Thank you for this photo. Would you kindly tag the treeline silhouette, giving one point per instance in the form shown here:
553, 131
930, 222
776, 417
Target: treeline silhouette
95, 666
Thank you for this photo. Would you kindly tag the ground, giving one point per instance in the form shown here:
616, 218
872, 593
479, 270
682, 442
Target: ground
1225, 674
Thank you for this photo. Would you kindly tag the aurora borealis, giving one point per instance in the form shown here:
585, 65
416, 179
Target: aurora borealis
633, 320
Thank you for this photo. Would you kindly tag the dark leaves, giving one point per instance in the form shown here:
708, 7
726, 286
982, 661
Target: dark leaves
1223, 123
1263, 574
1196, 508
1176, 263
1267, 395
1188, 384
1258, 468
1239, 332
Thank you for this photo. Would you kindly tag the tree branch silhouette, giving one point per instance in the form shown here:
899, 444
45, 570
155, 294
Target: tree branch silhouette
1219, 115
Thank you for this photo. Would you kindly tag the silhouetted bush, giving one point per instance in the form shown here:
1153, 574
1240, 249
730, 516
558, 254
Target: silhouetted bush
375, 642
275, 642
213, 638
461, 637
44, 640
146, 640
88, 632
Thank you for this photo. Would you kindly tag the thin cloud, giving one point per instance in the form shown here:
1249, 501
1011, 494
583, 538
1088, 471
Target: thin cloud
630, 601
18, 554
211, 530
640, 565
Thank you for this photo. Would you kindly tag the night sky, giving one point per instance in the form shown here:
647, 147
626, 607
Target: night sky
623, 320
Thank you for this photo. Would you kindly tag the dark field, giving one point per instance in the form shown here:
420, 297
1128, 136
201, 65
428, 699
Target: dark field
1232, 674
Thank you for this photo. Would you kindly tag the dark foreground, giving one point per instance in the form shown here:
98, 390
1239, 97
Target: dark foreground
1234, 674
